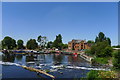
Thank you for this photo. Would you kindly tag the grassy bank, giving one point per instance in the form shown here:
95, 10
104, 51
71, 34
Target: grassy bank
95, 75
102, 60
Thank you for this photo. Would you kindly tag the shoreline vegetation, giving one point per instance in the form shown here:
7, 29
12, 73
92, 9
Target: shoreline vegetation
100, 53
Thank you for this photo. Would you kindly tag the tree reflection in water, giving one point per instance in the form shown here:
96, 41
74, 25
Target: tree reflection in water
58, 58
19, 57
75, 60
8, 57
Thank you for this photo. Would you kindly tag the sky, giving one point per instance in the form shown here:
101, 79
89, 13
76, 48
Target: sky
73, 20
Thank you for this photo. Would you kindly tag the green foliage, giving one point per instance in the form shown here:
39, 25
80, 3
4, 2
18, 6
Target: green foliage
32, 44
49, 44
96, 75
8, 43
116, 59
101, 60
20, 44
92, 75
102, 47
118, 46
42, 40
101, 37
90, 41
109, 41
58, 42
65, 46
88, 52
108, 51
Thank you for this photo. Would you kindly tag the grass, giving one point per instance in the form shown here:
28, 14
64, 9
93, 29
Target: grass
95, 75
102, 60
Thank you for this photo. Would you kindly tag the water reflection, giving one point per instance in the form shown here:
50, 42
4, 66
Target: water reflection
8, 57
77, 61
53, 59
58, 58
19, 57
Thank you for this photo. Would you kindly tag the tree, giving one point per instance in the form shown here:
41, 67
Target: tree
116, 61
58, 42
42, 40
101, 37
109, 41
20, 44
13, 45
90, 42
32, 44
96, 39
8, 43
65, 46
102, 46
107, 51
49, 44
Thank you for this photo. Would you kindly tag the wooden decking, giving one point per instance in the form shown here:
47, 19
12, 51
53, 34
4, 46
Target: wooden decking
37, 70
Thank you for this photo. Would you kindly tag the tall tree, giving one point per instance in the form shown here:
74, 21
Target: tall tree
49, 44
58, 42
42, 40
20, 44
96, 39
101, 36
32, 44
8, 43
109, 41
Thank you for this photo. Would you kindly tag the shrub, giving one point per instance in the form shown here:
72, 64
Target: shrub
116, 61
92, 75
107, 51
96, 75
101, 60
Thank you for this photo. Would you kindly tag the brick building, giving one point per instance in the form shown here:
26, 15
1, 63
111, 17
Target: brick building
78, 45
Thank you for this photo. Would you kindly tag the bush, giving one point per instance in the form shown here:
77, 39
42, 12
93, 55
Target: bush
108, 51
96, 75
101, 60
101, 49
87, 52
116, 61
92, 75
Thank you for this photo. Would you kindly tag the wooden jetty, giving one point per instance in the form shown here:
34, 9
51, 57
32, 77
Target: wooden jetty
37, 70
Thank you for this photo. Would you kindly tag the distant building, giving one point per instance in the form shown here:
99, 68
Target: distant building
78, 45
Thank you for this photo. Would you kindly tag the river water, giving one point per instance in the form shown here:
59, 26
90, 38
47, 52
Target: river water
59, 65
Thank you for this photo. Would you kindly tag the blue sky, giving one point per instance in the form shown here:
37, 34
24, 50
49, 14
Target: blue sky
74, 20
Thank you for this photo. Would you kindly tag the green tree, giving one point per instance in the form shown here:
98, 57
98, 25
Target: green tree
101, 36
43, 41
65, 46
116, 61
96, 39
92, 75
99, 48
109, 41
108, 51
90, 42
32, 44
8, 43
20, 44
58, 42
49, 44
